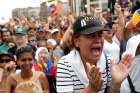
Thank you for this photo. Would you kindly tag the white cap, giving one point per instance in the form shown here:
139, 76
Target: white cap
52, 41
55, 30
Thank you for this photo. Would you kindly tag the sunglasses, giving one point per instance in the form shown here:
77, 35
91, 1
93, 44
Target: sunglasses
5, 60
33, 40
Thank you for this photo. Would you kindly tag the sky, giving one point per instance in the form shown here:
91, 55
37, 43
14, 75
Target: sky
6, 6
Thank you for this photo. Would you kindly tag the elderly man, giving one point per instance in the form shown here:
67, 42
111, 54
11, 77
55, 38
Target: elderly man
21, 36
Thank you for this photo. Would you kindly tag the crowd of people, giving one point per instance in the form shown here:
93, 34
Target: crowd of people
89, 53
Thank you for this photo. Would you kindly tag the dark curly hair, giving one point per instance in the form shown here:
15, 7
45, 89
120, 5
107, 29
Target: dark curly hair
24, 49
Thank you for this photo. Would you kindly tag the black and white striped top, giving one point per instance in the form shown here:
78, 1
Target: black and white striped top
67, 79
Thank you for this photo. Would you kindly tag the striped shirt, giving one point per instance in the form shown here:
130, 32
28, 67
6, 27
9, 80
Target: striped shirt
68, 80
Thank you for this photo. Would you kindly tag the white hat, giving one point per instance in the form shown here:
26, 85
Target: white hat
52, 41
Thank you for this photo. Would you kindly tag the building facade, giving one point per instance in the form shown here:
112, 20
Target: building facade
26, 12
43, 11
85, 5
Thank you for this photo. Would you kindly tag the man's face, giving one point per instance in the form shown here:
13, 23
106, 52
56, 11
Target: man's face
55, 35
32, 41
6, 36
42, 44
108, 34
90, 46
41, 35
21, 40
31, 33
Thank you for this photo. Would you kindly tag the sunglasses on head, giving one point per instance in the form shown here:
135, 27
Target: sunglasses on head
5, 60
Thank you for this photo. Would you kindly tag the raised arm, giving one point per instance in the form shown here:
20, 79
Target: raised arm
120, 22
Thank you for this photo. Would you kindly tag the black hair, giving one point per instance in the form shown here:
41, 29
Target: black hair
40, 41
7, 55
31, 28
24, 49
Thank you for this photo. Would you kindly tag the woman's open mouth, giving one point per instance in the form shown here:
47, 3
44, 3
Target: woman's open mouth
96, 51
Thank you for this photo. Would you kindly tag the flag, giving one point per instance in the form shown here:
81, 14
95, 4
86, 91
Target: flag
136, 17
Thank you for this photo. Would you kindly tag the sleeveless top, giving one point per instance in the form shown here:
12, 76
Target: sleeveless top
31, 85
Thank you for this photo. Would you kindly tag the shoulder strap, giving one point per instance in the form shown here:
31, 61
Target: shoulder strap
107, 67
37, 74
106, 60
131, 84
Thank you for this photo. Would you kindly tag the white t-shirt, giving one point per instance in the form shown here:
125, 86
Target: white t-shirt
135, 78
112, 49
134, 74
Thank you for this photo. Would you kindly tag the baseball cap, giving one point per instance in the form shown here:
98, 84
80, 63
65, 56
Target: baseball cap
88, 24
5, 29
136, 17
20, 31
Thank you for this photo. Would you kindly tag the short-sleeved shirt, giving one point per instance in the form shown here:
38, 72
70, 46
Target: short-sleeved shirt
71, 75
112, 49
4, 48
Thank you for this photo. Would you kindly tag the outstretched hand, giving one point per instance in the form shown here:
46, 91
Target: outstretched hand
120, 71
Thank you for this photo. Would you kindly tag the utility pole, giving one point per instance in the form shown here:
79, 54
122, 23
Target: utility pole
88, 6
100, 4
77, 7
